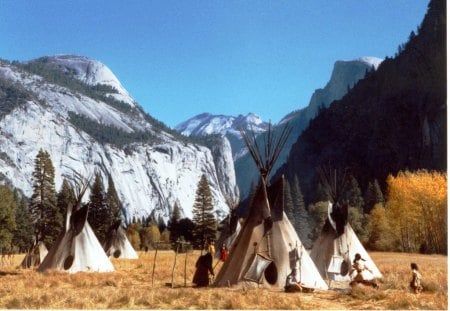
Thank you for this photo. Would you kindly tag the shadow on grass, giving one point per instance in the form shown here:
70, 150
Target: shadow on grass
4, 273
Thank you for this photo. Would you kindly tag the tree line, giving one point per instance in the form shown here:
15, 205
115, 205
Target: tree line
411, 217
25, 222
202, 229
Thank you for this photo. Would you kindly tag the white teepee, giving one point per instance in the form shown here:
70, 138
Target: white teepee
267, 247
77, 249
117, 244
335, 249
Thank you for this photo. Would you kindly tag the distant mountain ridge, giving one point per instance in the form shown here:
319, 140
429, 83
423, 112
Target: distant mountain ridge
228, 126
344, 76
77, 110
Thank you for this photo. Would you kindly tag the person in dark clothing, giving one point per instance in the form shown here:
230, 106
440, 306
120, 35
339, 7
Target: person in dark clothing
292, 285
203, 269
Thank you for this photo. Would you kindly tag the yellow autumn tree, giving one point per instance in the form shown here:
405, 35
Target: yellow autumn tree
133, 236
151, 235
379, 232
416, 209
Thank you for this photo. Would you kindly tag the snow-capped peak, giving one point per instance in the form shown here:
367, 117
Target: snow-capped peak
371, 61
206, 123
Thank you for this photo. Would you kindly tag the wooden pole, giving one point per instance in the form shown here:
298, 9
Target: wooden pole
185, 267
174, 263
154, 263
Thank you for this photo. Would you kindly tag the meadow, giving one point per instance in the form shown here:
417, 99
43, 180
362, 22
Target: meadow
135, 285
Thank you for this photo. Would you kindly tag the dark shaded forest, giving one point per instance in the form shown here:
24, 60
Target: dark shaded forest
394, 119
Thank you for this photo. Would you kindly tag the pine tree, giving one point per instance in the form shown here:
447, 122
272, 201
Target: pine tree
372, 196
301, 216
112, 200
65, 196
47, 220
379, 197
23, 234
186, 227
173, 225
353, 193
356, 217
318, 213
368, 198
99, 216
161, 224
288, 204
203, 218
8, 206
321, 193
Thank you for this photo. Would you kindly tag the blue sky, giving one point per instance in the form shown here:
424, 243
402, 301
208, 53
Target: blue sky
181, 58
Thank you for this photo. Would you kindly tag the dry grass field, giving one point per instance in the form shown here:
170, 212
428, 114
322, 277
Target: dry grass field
130, 287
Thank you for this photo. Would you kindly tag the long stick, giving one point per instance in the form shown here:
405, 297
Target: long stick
154, 262
174, 263
185, 265
216, 264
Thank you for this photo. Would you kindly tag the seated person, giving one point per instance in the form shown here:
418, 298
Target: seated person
292, 285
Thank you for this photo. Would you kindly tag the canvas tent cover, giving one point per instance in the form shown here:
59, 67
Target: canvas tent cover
77, 249
333, 253
274, 244
117, 244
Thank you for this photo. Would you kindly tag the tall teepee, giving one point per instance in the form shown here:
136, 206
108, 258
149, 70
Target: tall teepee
77, 248
335, 249
117, 244
267, 247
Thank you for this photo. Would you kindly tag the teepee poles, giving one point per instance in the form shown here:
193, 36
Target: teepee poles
272, 148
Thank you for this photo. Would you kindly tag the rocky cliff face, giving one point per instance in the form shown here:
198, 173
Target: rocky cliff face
150, 175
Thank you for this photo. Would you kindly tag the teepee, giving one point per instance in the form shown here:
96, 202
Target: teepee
267, 247
35, 256
337, 245
117, 244
77, 248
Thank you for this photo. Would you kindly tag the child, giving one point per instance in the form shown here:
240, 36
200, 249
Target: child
223, 253
359, 266
416, 279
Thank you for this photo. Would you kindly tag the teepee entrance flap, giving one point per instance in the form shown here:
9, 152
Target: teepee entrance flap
258, 266
336, 265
